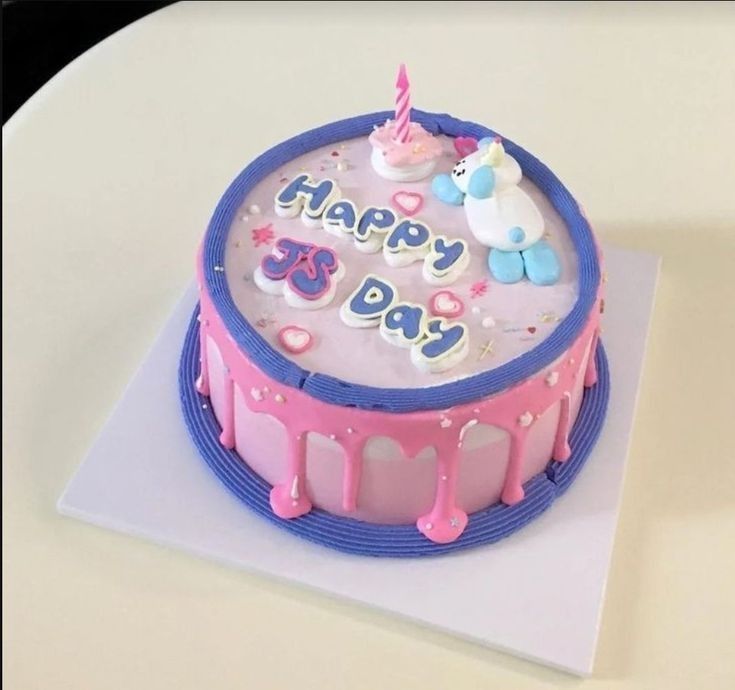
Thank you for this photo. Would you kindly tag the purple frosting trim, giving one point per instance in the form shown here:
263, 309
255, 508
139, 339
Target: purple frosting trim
338, 392
353, 536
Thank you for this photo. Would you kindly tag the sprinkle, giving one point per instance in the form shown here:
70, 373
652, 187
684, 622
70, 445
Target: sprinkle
487, 349
445, 422
476, 310
342, 166
526, 419
266, 389
453, 521
254, 210
476, 410
204, 406
257, 394
219, 269
552, 378
245, 218
571, 361
335, 153
548, 317
279, 398
444, 477
428, 525
488, 322
350, 430
479, 288
333, 436
263, 235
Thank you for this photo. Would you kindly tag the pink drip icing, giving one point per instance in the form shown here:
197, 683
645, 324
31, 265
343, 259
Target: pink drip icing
300, 414
590, 375
227, 437
352, 474
290, 499
446, 521
562, 451
202, 383
513, 488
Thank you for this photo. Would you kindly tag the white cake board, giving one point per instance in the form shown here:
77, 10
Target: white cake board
537, 594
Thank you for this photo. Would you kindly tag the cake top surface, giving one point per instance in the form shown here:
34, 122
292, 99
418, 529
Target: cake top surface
501, 321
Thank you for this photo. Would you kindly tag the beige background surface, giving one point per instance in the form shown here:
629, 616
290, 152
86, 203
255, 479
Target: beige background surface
110, 174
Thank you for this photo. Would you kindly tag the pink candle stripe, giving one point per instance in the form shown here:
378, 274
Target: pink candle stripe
403, 106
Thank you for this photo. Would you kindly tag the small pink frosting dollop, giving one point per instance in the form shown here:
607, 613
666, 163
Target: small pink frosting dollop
421, 147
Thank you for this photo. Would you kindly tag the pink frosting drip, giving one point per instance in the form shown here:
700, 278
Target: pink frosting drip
514, 410
422, 146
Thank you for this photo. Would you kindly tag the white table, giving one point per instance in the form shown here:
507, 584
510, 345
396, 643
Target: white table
111, 172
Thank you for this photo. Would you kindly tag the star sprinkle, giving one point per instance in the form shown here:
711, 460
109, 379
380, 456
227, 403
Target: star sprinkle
479, 288
454, 521
265, 321
263, 235
487, 349
548, 317
445, 422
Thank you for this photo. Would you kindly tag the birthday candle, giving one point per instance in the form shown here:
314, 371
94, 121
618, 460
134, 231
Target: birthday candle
403, 106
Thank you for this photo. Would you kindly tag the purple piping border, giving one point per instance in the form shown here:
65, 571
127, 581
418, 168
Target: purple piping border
367, 539
338, 392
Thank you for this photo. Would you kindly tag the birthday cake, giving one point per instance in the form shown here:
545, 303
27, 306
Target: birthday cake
396, 346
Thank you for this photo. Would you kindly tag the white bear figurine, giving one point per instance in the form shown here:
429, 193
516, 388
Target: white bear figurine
500, 214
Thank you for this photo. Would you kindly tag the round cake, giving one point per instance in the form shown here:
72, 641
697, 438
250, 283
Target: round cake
390, 365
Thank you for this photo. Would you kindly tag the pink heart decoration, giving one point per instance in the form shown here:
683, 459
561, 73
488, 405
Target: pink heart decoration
446, 303
295, 339
408, 203
464, 146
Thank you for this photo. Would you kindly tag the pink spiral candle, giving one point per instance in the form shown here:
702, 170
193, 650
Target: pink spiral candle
403, 107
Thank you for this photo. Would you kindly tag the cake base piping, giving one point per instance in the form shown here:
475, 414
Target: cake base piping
353, 536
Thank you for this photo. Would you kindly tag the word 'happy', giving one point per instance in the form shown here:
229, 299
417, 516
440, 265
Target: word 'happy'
403, 241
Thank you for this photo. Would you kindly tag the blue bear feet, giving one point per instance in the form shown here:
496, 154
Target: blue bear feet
539, 262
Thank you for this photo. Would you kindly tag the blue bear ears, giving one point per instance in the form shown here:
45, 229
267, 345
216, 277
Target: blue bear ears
482, 182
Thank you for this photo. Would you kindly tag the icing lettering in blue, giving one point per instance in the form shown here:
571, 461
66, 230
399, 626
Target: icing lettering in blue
310, 279
406, 322
369, 302
448, 253
408, 234
374, 221
276, 267
340, 217
303, 193
440, 341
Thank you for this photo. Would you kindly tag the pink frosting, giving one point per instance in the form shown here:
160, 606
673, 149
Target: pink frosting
421, 147
535, 415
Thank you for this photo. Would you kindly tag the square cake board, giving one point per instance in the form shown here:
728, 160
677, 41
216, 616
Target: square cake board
537, 594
